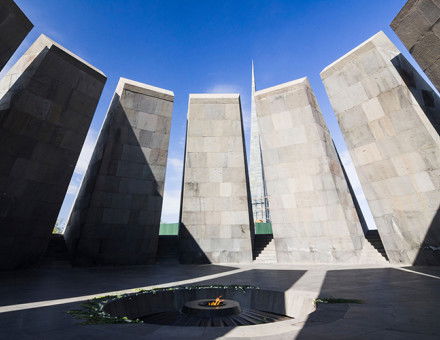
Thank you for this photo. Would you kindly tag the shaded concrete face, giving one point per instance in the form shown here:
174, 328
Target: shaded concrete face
216, 217
14, 26
418, 27
389, 117
47, 101
116, 216
313, 217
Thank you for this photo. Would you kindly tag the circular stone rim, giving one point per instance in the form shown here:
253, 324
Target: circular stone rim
196, 307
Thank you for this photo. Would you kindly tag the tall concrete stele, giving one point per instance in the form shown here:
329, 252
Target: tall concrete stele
312, 212
388, 116
216, 222
418, 26
260, 202
116, 216
14, 27
47, 101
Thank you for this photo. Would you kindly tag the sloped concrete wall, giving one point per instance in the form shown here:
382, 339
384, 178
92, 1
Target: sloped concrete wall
313, 216
116, 216
418, 27
14, 27
47, 101
389, 118
216, 217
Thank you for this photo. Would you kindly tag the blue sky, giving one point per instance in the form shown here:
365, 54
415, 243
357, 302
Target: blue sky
190, 46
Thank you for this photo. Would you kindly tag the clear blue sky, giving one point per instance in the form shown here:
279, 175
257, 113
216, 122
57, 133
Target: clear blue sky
206, 46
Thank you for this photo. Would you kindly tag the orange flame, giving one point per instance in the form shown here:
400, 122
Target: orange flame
216, 302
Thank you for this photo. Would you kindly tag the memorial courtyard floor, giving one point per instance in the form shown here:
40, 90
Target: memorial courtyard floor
399, 302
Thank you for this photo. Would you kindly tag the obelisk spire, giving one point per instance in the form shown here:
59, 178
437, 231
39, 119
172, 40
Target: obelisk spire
260, 206
253, 81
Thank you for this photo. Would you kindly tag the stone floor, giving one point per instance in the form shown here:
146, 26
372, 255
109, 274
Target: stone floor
400, 303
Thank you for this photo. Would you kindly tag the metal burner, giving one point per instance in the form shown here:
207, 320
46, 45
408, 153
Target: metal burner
201, 308
227, 313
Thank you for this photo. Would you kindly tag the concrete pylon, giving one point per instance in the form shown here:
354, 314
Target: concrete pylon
47, 101
313, 216
389, 117
116, 216
418, 27
14, 27
216, 223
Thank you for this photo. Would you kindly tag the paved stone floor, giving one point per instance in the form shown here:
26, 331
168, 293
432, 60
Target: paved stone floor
400, 302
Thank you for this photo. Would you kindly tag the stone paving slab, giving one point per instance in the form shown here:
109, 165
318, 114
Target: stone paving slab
399, 302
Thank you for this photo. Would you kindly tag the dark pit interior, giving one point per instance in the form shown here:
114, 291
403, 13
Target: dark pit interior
191, 307
227, 314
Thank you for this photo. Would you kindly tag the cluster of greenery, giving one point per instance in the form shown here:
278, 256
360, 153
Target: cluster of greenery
59, 227
336, 300
92, 312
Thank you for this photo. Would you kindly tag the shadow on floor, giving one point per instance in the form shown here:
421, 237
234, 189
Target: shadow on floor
52, 322
396, 304
40, 284
280, 280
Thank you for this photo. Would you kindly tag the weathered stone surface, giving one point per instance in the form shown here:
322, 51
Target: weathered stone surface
418, 26
216, 217
313, 216
116, 216
389, 116
47, 101
14, 26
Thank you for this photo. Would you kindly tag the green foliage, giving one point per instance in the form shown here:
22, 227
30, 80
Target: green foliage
92, 312
58, 228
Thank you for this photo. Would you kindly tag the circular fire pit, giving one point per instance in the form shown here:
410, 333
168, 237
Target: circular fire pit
213, 313
172, 312
198, 307
205, 309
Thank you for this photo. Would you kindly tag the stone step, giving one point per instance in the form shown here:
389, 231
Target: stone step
268, 259
56, 251
266, 256
371, 255
263, 243
268, 252
167, 249
373, 240
271, 259
260, 250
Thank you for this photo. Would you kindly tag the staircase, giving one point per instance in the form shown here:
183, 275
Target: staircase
56, 253
264, 249
167, 249
374, 249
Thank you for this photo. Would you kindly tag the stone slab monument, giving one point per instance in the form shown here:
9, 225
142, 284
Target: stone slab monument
418, 27
216, 224
312, 212
14, 27
116, 216
389, 117
47, 101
